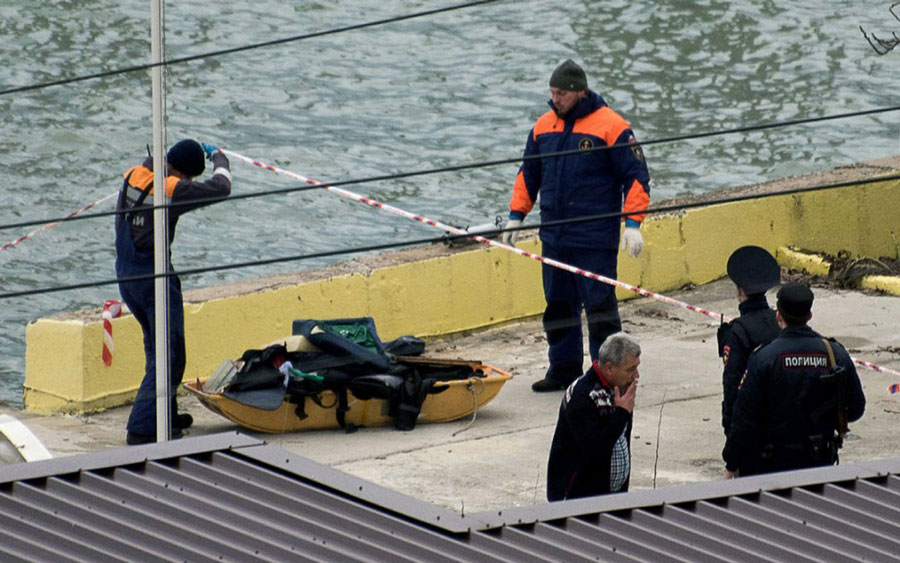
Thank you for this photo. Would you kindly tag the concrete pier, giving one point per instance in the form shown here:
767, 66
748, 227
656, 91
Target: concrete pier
498, 460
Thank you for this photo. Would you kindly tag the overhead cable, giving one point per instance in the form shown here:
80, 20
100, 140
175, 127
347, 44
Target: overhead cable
51, 224
583, 219
447, 238
681, 206
469, 166
461, 233
220, 52
235, 266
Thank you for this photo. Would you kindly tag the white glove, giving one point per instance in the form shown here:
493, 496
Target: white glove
632, 241
510, 237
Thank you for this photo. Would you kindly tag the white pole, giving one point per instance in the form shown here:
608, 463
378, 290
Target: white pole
160, 223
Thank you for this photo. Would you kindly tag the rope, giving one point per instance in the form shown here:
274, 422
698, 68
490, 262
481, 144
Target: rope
232, 266
471, 387
457, 233
462, 232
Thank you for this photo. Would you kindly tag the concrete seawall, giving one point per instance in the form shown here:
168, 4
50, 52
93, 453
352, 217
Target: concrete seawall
437, 290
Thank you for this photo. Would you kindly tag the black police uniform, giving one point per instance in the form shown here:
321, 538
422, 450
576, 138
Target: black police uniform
792, 405
737, 339
754, 270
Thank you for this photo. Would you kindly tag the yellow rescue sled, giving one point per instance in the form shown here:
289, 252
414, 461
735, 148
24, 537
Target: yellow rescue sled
452, 400
337, 373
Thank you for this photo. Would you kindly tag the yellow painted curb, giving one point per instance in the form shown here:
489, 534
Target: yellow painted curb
816, 265
887, 284
812, 264
452, 290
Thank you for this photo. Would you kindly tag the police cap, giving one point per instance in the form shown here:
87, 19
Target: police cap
795, 299
753, 269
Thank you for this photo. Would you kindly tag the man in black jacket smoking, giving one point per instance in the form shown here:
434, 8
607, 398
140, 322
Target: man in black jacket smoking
591, 453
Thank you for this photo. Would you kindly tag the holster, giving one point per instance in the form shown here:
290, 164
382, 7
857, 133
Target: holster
822, 450
814, 451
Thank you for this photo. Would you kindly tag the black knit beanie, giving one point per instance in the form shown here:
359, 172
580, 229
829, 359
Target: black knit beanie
187, 157
569, 76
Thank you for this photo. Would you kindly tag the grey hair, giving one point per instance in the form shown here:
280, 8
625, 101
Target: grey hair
616, 349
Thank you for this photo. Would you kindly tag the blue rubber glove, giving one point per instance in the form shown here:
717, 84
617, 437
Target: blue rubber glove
209, 149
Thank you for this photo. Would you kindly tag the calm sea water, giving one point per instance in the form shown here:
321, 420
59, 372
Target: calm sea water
455, 88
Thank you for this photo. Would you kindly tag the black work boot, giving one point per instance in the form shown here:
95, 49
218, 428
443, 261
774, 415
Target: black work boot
544, 385
182, 421
558, 377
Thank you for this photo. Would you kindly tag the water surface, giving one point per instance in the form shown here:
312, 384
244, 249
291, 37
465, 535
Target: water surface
454, 88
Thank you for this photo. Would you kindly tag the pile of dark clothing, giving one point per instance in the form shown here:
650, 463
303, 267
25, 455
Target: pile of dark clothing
349, 358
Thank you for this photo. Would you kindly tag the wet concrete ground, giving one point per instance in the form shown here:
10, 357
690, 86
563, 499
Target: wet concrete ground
497, 459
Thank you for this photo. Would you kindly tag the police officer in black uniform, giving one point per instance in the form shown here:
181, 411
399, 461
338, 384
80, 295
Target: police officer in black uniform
753, 271
795, 401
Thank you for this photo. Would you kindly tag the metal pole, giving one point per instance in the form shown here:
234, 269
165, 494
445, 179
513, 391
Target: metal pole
160, 223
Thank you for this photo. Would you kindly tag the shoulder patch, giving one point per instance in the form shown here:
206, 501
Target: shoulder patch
636, 148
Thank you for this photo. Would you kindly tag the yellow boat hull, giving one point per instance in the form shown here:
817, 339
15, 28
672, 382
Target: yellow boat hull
459, 399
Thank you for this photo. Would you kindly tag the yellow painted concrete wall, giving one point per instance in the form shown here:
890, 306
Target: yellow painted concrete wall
463, 291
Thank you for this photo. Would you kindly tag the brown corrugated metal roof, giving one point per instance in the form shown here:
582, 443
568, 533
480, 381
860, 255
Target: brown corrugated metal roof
231, 497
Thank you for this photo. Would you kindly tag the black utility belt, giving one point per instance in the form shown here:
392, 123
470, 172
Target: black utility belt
814, 443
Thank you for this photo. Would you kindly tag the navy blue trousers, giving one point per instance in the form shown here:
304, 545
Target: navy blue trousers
569, 294
140, 298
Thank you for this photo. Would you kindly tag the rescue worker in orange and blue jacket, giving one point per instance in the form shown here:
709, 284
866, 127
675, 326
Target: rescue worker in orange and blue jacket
135, 257
592, 181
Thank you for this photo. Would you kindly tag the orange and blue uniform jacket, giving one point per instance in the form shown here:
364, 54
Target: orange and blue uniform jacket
586, 183
185, 195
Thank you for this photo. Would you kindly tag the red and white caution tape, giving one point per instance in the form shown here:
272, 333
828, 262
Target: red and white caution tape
457, 231
54, 223
112, 309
